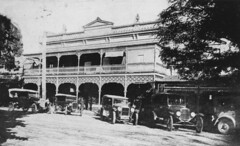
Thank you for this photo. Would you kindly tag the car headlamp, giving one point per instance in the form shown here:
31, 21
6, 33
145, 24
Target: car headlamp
132, 110
178, 113
193, 114
119, 109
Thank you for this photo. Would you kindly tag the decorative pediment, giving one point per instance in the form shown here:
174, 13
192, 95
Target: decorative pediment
98, 22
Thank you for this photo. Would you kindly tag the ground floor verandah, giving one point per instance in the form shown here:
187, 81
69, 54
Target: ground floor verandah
95, 86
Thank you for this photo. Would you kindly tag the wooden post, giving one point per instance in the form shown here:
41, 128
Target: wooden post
43, 47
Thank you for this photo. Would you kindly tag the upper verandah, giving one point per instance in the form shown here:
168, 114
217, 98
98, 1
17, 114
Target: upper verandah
100, 27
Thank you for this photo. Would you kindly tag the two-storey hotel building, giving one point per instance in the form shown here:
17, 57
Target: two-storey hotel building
102, 59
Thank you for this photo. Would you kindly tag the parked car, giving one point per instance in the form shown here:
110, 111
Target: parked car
67, 104
115, 108
169, 109
222, 113
24, 98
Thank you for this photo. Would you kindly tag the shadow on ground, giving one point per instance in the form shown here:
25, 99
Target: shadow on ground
10, 120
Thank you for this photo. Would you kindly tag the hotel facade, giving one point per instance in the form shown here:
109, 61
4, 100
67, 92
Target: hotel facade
102, 59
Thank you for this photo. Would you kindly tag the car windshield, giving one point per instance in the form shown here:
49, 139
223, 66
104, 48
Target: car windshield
176, 100
120, 101
107, 101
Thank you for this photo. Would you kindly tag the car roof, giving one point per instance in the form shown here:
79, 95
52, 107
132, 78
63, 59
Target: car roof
21, 90
166, 93
115, 96
67, 95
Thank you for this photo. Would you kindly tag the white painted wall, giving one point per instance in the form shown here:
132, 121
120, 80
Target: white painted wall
141, 55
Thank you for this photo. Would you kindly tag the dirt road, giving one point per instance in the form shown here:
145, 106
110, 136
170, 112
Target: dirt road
25, 129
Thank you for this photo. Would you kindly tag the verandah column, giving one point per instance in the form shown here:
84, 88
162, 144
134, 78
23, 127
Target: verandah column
99, 90
58, 62
78, 63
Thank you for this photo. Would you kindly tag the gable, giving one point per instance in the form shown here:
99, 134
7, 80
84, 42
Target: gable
98, 22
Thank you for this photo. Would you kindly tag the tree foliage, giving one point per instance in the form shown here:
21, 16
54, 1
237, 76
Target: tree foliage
201, 38
10, 43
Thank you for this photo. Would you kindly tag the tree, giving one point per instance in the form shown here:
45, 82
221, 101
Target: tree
201, 39
10, 43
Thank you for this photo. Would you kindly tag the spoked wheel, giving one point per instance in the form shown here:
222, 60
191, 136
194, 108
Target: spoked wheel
11, 107
224, 126
34, 108
135, 119
199, 125
170, 123
66, 111
113, 117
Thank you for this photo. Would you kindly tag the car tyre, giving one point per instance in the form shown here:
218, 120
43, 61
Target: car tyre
11, 107
135, 119
113, 117
170, 123
101, 115
34, 108
199, 124
224, 126
66, 111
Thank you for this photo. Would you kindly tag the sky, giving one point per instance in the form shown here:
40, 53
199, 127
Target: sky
33, 17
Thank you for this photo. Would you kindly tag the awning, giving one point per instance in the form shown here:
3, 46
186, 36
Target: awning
114, 54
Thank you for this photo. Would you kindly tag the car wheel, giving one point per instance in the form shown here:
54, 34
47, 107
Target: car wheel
135, 119
66, 111
170, 123
113, 117
34, 108
224, 126
11, 107
101, 115
199, 125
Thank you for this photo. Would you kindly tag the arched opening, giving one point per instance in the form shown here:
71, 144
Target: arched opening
67, 88
90, 59
51, 61
89, 91
50, 92
68, 61
135, 90
113, 89
31, 86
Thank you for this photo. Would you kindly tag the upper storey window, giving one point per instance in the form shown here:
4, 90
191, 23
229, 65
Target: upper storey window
114, 58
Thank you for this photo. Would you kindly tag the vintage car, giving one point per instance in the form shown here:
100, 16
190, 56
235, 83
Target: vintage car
222, 113
171, 110
66, 103
24, 98
115, 108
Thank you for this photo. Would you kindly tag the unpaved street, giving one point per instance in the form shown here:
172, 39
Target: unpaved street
44, 129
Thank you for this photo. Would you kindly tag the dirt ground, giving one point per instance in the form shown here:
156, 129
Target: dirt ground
26, 129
